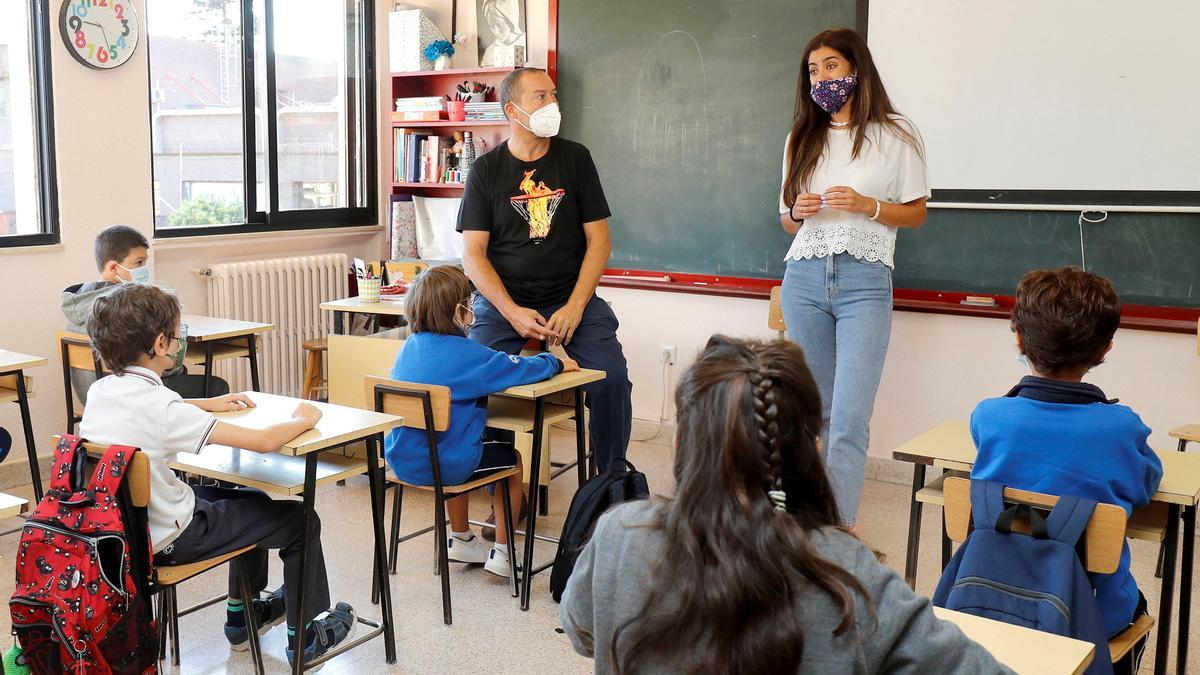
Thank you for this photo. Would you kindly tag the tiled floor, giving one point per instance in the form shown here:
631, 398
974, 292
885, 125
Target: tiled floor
490, 633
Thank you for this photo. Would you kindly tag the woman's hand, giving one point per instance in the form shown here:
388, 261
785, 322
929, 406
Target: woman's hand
844, 198
807, 205
227, 403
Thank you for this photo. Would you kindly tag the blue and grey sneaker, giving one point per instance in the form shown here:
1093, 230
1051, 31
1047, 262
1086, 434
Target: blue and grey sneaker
270, 612
336, 627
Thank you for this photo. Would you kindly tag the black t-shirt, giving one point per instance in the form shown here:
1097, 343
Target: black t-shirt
535, 213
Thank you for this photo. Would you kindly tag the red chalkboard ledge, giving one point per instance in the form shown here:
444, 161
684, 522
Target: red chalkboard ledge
1138, 317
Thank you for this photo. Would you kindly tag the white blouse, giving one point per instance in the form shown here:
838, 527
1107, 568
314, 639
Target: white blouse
888, 168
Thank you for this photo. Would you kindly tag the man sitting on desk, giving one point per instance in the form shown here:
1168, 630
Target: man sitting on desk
535, 242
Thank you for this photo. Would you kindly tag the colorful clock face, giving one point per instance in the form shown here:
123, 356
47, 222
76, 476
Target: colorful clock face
101, 34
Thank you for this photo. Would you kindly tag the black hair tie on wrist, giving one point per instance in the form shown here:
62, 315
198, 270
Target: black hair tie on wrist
791, 211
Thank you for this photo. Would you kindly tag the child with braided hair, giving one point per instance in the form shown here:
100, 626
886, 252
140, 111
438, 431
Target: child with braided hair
746, 569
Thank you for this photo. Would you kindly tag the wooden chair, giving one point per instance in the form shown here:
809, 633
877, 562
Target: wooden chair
427, 407
1103, 542
76, 352
165, 578
775, 312
404, 270
314, 368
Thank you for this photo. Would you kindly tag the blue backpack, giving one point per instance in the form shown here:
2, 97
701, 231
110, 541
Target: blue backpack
1036, 581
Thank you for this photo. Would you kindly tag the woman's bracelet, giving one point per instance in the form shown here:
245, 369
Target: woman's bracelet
877, 207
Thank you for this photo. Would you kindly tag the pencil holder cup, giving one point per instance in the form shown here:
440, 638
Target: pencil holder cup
456, 110
475, 97
368, 290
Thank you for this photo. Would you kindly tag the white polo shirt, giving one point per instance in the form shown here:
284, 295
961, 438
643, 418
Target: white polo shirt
136, 409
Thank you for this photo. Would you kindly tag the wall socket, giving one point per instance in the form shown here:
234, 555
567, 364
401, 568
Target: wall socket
667, 354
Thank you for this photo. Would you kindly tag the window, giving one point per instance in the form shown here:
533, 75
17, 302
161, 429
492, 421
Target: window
28, 199
265, 128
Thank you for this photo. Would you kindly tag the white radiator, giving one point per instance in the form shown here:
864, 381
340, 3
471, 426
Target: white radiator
284, 292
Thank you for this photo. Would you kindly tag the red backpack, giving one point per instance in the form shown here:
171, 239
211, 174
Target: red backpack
81, 602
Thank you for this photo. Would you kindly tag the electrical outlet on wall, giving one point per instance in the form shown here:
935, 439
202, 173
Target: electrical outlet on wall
667, 354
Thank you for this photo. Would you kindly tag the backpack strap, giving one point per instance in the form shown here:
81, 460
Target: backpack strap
111, 470
1069, 518
66, 454
987, 503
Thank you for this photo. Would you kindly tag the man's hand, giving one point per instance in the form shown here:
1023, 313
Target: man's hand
530, 324
226, 403
564, 322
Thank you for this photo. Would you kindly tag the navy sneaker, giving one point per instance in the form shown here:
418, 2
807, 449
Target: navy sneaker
270, 612
337, 627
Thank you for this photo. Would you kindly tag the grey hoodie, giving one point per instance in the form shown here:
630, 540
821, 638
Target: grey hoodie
611, 578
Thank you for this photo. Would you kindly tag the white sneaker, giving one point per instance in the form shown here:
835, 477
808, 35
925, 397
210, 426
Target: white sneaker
497, 562
472, 551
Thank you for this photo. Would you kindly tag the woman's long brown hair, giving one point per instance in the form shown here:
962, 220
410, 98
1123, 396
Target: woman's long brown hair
810, 129
724, 596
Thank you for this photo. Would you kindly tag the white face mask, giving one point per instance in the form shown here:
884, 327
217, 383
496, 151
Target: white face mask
138, 275
544, 121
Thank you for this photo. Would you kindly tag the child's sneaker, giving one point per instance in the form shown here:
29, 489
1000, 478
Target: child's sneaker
472, 551
497, 562
337, 627
270, 612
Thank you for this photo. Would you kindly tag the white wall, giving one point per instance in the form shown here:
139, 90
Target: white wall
938, 367
102, 135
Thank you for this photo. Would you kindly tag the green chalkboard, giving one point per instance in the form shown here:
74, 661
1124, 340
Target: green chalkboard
685, 107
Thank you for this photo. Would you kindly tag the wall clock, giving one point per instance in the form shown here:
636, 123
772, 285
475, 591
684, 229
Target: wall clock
100, 34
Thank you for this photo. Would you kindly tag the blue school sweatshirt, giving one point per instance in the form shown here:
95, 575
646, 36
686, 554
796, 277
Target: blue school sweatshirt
1067, 439
472, 372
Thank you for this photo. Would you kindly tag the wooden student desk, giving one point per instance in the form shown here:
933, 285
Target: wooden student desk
223, 339
538, 393
11, 505
338, 425
14, 387
949, 446
355, 305
1027, 651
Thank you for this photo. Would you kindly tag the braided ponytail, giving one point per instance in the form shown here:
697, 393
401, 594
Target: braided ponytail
766, 419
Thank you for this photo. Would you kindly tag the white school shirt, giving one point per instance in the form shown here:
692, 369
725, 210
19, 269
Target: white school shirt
136, 409
887, 168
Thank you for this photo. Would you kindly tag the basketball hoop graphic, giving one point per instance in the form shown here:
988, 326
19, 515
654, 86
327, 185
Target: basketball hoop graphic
537, 206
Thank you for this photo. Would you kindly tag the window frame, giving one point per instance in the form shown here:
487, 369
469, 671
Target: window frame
268, 217
43, 117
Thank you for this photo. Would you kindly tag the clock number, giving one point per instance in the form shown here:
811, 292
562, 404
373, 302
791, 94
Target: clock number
81, 10
102, 3
102, 55
120, 10
80, 39
121, 42
75, 24
112, 52
91, 50
125, 23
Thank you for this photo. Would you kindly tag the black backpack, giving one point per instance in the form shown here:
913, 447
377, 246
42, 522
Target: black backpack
621, 483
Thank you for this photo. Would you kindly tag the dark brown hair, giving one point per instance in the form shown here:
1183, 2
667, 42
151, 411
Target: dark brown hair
127, 320
810, 128
1066, 317
115, 242
724, 595
433, 298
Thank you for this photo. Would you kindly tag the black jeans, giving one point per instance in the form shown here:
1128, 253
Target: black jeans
226, 519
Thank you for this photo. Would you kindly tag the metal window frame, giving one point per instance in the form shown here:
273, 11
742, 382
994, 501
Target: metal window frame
43, 117
270, 218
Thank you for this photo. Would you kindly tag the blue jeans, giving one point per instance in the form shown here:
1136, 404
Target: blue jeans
594, 345
839, 310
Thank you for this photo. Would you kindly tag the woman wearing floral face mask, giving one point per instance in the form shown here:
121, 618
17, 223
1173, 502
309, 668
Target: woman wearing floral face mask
853, 173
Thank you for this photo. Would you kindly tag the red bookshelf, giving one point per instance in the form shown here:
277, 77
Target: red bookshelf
399, 187
446, 123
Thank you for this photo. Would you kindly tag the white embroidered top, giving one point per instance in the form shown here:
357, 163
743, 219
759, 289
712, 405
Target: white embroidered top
888, 168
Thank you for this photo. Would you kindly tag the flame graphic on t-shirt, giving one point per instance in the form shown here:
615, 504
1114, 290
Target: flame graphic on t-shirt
537, 205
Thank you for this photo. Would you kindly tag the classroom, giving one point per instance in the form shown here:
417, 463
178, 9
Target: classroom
841, 336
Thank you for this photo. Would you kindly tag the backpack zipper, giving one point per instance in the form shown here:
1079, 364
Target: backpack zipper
1054, 600
53, 609
91, 541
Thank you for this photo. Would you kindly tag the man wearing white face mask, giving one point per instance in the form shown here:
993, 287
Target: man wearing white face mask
123, 256
535, 243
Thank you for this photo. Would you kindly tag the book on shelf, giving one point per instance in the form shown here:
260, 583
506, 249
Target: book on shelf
419, 157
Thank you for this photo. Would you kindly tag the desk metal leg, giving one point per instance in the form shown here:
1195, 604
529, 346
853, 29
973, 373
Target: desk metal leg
208, 366
338, 321
35, 471
914, 528
580, 439
253, 356
310, 491
946, 552
1167, 594
1185, 587
535, 472
375, 475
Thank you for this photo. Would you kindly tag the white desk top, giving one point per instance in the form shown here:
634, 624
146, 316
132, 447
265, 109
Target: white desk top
11, 505
205, 328
560, 382
1027, 651
12, 361
356, 305
338, 425
269, 472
